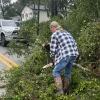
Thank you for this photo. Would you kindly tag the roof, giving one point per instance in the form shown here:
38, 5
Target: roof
5, 20
42, 7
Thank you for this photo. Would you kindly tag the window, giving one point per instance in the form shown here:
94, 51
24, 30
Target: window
9, 23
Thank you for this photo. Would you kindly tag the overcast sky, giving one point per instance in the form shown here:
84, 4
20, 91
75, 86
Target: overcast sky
13, 1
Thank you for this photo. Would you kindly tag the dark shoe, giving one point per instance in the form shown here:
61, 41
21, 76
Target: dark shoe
67, 86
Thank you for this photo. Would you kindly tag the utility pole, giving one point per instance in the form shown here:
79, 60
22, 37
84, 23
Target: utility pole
38, 26
1, 8
1, 2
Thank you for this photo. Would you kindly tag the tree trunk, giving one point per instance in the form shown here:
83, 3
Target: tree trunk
54, 10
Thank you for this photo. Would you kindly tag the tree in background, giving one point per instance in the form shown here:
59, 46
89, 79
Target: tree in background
15, 9
82, 12
9, 11
53, 7
3, 4
56, 7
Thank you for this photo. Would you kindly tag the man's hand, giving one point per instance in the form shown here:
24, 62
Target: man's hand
48, 43
43, 45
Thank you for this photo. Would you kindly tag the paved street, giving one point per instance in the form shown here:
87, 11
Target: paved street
6, 62
4, 55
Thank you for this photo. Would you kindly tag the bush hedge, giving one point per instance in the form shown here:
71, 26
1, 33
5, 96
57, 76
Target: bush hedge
31, 82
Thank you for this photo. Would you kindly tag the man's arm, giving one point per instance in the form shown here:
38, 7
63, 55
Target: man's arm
53, 46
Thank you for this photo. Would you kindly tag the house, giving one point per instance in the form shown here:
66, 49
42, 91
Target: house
29, 12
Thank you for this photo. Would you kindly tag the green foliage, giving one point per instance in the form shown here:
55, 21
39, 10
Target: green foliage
28, 32
82, 12
31, 82
26, 2
89, 42
6, 1
9, 11
45, 33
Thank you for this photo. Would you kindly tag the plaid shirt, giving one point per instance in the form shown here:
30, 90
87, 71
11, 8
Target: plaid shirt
62, 45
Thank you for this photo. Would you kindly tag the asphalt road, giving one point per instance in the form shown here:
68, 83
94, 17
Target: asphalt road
6, 59
7, 62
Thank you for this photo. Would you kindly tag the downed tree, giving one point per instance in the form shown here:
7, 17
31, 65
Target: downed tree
87, 70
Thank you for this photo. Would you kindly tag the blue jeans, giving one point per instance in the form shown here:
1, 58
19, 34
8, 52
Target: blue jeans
66, 64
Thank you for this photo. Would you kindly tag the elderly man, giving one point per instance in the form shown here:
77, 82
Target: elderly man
63, 51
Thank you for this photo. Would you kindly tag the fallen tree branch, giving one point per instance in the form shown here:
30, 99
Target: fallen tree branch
80, 66
86, 70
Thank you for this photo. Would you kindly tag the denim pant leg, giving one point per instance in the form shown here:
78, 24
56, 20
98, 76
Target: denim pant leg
69, 67
59, 67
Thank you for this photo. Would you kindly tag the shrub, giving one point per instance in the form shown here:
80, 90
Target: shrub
31, 82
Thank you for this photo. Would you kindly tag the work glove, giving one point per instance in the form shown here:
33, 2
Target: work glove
47, 46
53, 59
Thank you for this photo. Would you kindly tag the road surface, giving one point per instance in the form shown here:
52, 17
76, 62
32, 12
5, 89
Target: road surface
7, 62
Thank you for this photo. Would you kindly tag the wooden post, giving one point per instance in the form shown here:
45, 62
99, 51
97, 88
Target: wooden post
38, 26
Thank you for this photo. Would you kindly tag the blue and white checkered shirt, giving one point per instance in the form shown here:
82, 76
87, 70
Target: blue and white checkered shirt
62, 45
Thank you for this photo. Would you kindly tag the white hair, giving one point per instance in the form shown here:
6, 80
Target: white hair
54, 23
60, 28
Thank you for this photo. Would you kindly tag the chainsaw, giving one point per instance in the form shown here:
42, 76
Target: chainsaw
48, 65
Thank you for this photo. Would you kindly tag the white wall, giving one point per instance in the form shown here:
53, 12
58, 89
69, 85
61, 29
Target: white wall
43, 16
27, 14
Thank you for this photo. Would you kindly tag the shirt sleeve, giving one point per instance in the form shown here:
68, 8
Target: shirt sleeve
53, 46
